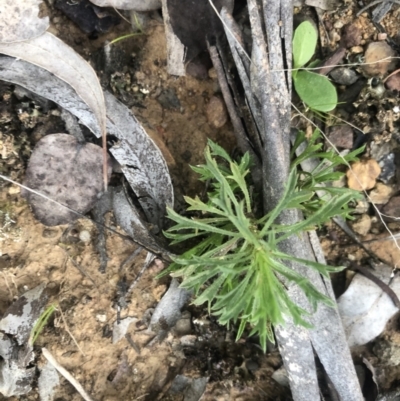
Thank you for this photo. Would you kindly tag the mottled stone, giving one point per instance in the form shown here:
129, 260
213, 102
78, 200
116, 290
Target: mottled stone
375, 52
217, 114
362, 225
341, 136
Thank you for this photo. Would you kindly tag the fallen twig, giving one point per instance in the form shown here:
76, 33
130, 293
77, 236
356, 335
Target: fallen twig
68, 330
67, 375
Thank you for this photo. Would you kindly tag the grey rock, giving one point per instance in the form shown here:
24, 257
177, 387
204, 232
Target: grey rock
344, 76
388, 167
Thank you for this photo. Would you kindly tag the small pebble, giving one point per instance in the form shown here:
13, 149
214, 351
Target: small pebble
183, 327
381, 194
379, 150
351, 36
392, 208
393, 82
188, 340
197, 69
362, 225
212, 73
14, 189
85, 236
344, 76
388, 167
334, 36
375, 52
341, 136
217, 114
281, 377
101, 317
338, 24
356, 49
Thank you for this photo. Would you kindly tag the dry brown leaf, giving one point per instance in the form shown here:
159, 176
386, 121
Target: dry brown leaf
19, 20
363, 174
52, 54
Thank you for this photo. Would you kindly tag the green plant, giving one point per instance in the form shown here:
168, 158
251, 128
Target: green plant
41, 322
236, 266
315, 90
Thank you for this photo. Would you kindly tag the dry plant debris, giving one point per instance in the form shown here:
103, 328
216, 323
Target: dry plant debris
16, 349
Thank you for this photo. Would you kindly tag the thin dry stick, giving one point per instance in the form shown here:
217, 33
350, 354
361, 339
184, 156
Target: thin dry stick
68, 331
79, 268
64, 372
149, 259
128, 261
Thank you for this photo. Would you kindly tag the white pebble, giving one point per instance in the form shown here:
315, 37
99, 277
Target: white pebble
84, 236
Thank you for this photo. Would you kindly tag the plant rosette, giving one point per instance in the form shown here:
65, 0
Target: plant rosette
236, 267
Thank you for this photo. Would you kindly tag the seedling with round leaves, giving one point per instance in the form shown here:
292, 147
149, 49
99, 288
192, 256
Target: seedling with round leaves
315, 90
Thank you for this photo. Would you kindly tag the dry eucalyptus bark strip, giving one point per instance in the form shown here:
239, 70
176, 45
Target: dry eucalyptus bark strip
49, 52
294, 342
142, 162
275, 140
242, 62
243, 111
240, 132
176, 51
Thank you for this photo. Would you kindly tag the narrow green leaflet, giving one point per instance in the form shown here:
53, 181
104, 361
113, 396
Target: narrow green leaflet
304, 43
316, 91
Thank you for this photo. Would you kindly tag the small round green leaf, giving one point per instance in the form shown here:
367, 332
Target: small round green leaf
316, 91
304, 43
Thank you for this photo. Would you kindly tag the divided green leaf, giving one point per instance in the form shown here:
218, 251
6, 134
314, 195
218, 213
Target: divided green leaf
237, 268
